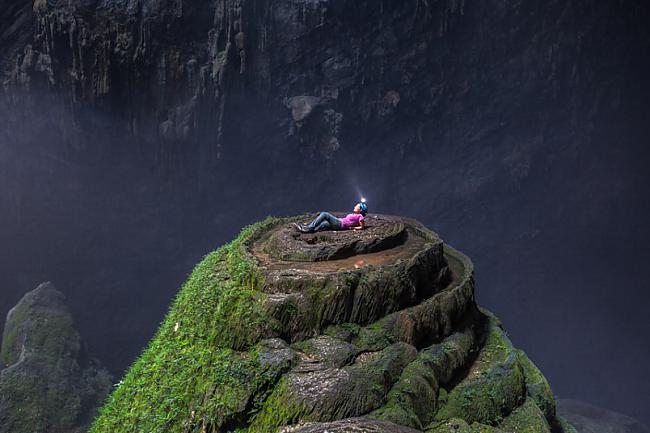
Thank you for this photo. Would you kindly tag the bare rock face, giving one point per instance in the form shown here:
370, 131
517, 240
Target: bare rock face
48, 383
348, 331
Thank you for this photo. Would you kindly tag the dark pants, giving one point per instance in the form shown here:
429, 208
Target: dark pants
324, 221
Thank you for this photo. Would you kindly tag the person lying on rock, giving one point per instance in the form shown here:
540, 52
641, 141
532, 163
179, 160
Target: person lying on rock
327, 221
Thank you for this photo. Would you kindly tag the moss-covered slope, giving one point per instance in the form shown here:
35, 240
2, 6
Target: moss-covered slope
385, 339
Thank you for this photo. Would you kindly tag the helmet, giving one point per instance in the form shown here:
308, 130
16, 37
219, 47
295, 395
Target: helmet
364, 207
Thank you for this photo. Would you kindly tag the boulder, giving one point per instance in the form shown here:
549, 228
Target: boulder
48, 383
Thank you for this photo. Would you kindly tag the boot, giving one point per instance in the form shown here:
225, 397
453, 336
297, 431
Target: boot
301, 228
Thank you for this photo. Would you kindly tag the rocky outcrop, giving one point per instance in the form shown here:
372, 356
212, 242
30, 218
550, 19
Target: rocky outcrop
48, 382
587, 418
454, 111
309, 71
380, 339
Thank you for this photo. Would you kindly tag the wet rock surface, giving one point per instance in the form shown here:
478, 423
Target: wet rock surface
398, 264
381, 233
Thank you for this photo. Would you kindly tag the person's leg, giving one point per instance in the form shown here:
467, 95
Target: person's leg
316, 221
324, 225
335, 223
324, 216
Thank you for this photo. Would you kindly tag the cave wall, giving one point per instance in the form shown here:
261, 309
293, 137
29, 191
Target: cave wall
139, 134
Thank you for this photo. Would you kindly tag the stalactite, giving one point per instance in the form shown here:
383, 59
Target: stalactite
111, 60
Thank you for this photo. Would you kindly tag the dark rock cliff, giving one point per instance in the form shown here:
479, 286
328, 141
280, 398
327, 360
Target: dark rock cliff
48, 382
328, 74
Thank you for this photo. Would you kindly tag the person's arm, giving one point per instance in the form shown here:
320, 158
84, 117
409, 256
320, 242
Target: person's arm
360, 226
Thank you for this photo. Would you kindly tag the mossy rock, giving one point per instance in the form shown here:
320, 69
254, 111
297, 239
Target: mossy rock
381, 341
349, 425
49, 383
492, 387
39, 323
527, 418
413, 400
327, 351
209, 362
328, 394
457, 425
565, 426
537, 386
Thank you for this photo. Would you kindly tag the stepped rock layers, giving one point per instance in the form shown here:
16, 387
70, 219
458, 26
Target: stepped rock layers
374, 330
48, 383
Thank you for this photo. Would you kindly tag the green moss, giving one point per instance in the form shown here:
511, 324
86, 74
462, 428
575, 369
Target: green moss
316, 296
278, 410
45, 388
414, 398
401, 414
35, 407
482, 428
192, 372
527, 418
299, 256
51, 333
344, 331
241, 268
331, 394
493, 386
565, 426
537, 386
452, 425
9, 352
374, 337
329, 351
456, 425
414, 393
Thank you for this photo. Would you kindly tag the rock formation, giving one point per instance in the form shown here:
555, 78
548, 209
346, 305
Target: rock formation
455, 111
587, 418
374, 330
48, 382
178, 72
